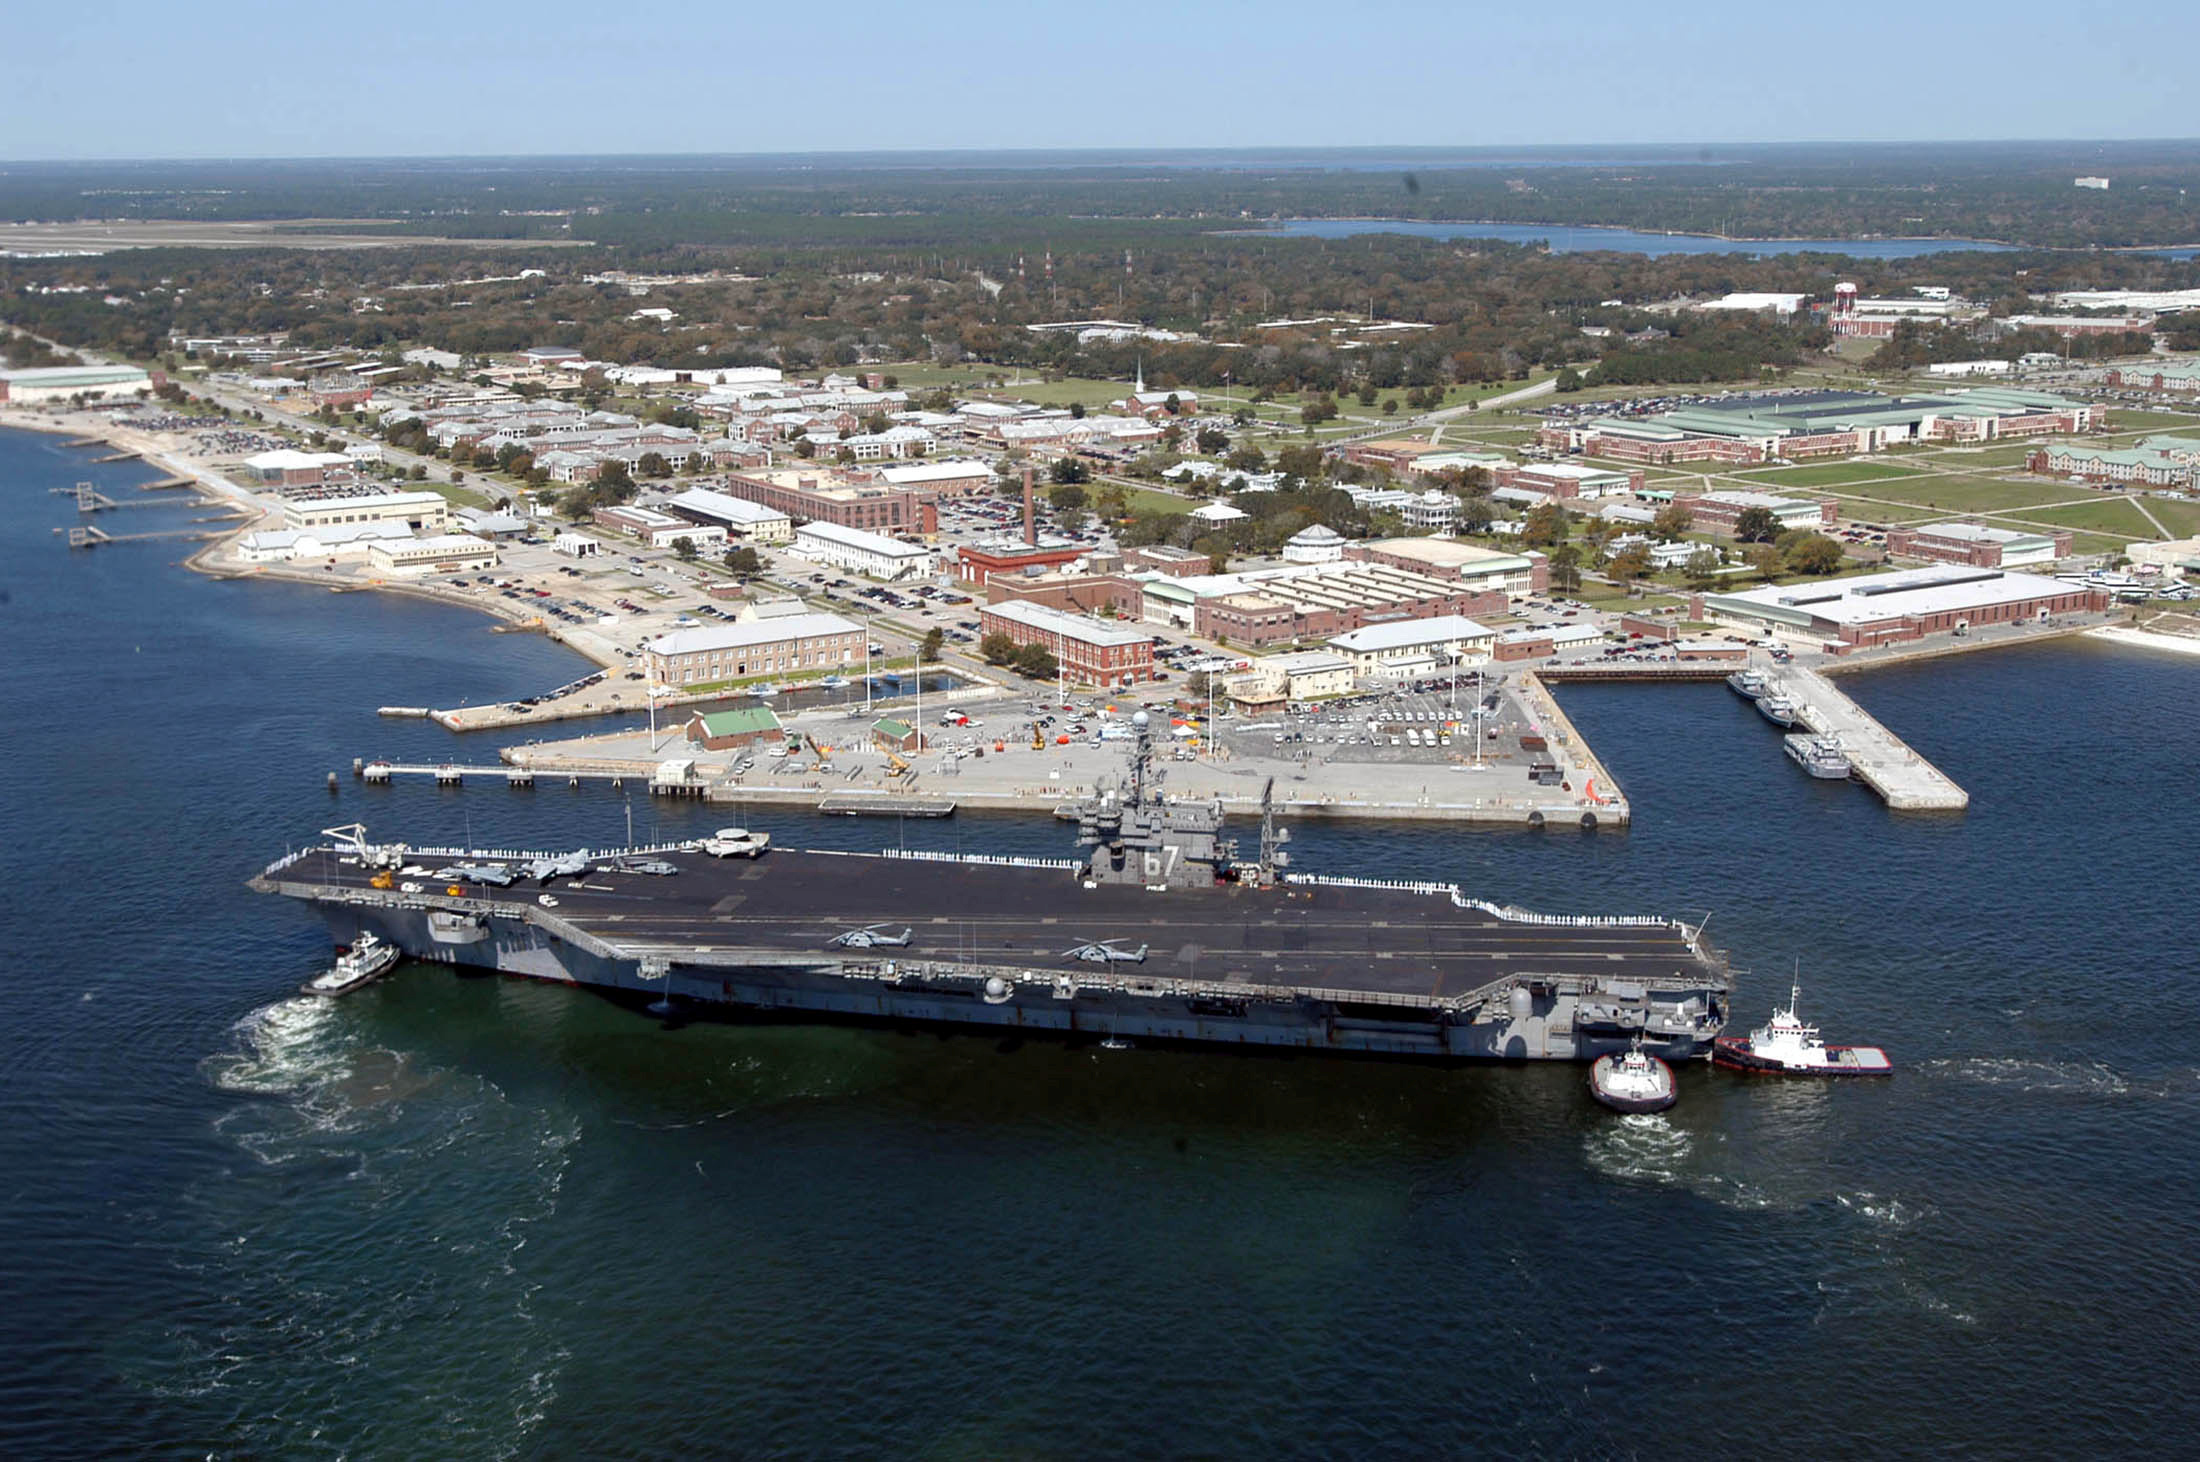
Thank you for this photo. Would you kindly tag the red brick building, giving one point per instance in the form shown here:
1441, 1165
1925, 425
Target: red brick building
820, 495
1092, 651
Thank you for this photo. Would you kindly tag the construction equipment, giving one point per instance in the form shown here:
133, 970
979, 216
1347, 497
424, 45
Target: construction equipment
1038, 738
896, 766
384, 879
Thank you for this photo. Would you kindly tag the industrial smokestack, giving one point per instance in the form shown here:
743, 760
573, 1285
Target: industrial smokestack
1031, 531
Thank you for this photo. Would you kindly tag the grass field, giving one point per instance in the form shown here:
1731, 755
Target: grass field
2115, 516
1857, 510
1964, 459
1970, 494
1834, 474
2120, 421
1146, 500
2182, 519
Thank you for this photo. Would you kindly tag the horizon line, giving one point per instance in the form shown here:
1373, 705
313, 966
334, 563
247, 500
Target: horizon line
1128, 153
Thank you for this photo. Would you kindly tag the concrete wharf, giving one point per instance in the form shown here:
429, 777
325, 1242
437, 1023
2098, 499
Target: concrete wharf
1878, 758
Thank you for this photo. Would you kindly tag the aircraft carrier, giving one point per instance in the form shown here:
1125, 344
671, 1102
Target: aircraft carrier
1159, 933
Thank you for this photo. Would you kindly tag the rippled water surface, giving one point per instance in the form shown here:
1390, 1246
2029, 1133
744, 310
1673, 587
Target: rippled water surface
471, 1217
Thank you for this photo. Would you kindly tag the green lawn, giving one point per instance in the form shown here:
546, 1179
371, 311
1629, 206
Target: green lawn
1965, 459
2120, 420
1834, 474
2182, 519
1970, 494
1857, 511
2115, 516
1148, 500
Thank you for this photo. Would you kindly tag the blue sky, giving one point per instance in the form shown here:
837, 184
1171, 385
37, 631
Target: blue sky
292, 79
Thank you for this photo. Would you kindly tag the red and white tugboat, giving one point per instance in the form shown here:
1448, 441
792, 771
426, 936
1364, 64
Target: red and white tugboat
1787, 1046
1633, 1080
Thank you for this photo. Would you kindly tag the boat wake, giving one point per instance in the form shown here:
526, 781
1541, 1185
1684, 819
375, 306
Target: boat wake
380, 1230
1650, 1149
2073, 1078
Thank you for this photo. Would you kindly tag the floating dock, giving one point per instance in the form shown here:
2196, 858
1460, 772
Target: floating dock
1878, 758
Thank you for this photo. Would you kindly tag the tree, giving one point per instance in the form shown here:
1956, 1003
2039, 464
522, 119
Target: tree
1069, 470
1672, 522
1565, 568
1546, 525
1071, 519
1077, 411
1764, 560
1390, 406
683, 548
1211, 440
1475, 515
805, 448
1630, 563
1247, 458
997, 648
1569, 379
1317, 411
1814, 553
1702, 567
1756, 525
744, 561
928, 651
1305, 461
1036, 661
1111, 501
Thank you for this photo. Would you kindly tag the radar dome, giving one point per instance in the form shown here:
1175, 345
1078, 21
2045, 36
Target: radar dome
1140, 720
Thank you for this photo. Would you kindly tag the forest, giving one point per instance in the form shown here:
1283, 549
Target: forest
816, 266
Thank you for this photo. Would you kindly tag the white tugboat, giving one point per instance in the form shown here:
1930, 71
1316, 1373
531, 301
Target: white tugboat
1788, 1046
368, 959
1632, 1081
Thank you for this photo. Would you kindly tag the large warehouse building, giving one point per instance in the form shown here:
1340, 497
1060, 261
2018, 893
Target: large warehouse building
60, 383
1758, 427
1879, 609
1977, 545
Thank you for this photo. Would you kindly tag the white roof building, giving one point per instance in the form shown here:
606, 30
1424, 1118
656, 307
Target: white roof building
743, 635
1378, 649
1317, 543
735, 515
1218, 513
871, 554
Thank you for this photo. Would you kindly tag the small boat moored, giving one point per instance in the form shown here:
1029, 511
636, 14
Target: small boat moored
1786, 1045
736, 842
368, 959
1748, 684
1775, 707
1821, 756
1633, 1081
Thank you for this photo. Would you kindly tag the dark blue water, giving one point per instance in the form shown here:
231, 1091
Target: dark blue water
467, 1217
1579, 239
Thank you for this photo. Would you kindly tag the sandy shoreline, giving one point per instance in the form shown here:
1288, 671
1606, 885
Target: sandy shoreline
2147, 639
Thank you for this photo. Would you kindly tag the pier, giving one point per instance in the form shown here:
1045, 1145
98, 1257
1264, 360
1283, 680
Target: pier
89, 537
456, 774
1878, 758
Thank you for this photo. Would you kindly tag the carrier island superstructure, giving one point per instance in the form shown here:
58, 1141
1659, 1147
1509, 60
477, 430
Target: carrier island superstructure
1158, 933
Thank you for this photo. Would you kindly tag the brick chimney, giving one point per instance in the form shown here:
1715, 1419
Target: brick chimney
1031, 532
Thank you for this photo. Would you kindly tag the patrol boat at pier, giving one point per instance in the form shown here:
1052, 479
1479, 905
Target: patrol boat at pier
1159, 932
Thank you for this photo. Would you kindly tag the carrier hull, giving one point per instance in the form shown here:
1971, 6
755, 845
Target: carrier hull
1411, 971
